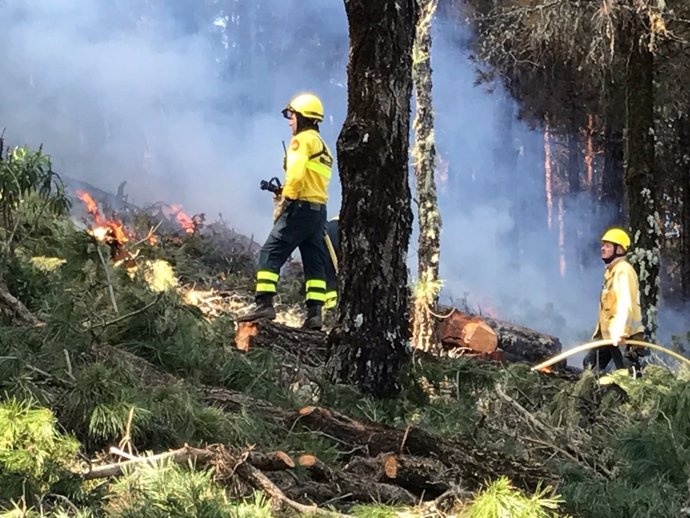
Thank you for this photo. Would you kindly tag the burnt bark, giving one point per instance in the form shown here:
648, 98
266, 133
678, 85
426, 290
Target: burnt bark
368, 342
641, 179
424, 154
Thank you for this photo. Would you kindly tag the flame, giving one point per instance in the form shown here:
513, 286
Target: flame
187, 223
548, 180
104, 230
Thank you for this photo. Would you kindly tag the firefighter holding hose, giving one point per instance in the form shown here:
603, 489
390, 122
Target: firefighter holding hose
620, 315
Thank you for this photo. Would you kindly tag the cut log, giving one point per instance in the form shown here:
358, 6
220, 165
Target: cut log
523, 344
484, 335
309, 346
352, 487
426, 477
463, 459
246, 331
465, 331
318, 470
273, 461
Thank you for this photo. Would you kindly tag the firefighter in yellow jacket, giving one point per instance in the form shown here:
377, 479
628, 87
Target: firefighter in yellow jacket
620, 316
300, 217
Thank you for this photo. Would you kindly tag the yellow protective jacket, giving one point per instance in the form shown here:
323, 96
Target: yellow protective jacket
619, 303
307, 168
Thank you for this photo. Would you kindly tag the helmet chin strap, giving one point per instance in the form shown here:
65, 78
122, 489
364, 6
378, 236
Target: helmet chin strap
615, 255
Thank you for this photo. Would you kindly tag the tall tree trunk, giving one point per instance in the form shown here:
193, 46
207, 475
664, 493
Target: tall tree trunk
573, 206
611, 198
369, 341
684, 147
424, 154
640, 176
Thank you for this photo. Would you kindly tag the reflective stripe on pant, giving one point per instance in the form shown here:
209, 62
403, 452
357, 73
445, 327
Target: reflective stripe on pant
266, 282
331, 299
315, 291
300, 226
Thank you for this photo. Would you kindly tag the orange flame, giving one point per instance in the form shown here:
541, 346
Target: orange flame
183, 219
104, 228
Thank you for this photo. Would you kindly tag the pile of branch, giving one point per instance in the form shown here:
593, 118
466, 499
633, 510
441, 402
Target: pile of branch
459, 334
382, 463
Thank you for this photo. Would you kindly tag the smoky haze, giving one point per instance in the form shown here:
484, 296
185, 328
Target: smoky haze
182, 100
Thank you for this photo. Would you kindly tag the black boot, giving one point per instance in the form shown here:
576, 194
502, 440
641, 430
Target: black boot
314, 321
261, 309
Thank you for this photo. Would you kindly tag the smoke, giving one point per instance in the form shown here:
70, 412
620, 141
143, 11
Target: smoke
182, 100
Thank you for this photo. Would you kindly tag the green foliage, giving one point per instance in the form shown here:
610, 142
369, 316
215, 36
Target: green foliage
34, 455
501, 500
169, 491
589, 498
98, 409
29, 188
374, 511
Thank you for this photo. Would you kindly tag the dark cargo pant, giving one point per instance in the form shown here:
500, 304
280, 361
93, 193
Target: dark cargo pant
300, 226
599, 358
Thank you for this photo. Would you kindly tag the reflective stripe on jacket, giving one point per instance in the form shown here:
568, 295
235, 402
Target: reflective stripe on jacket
307, 168
619, 303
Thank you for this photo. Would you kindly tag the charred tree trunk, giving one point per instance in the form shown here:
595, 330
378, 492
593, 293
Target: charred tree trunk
640, 177
424, 154
368, 342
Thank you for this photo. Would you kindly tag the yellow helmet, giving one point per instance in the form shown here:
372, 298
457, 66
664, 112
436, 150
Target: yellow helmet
617, 236
307, 105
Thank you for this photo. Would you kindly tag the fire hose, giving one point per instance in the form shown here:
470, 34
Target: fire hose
601, 343
331, 251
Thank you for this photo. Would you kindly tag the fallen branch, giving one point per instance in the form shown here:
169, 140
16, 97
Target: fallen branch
180, 456
272, 461
260, 481
125, 317
13, 309
551, 434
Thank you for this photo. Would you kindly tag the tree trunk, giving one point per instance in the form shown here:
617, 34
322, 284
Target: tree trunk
424, 154
640, 177
611, 198
368, 342
684, 146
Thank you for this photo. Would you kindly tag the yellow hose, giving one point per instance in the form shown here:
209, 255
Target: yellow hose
600, 343
331, 251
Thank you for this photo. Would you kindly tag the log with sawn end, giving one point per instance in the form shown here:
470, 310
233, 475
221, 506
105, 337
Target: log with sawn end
488, 336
